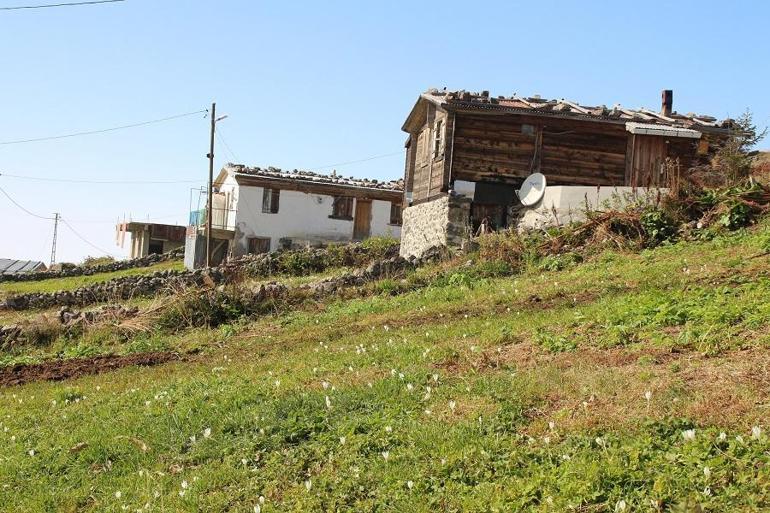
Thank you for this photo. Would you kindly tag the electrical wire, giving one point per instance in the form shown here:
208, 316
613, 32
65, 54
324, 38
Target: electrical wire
77, 180
22, 208
103, 130
69, 4
84, 239
221, 139
338, 164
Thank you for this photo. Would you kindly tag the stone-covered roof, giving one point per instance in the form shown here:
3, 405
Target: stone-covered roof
310, 177
464, 100
12, 266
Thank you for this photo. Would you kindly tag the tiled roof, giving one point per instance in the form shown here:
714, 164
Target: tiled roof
12, 266
565, 108
317, 178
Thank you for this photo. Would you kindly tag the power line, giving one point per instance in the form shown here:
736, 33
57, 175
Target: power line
78, 180
84, 239
358, 161
22, 208
70, 4
103, 130
221, 138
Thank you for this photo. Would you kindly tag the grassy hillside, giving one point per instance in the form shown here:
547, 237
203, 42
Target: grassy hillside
629, 382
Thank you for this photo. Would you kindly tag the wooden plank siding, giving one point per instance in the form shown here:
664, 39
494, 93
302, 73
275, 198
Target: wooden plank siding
429, 169
495, 148
507, 147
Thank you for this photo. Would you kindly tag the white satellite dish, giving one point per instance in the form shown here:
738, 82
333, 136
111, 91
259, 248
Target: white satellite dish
532, 190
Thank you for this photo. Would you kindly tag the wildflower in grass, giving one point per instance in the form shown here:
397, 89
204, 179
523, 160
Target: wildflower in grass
409, 387
308, 484
435, 378
342, 440
401, 375
185, 485
392, 372
386, 327
688, 435
620, 506
547, 440
261, 499
207, 433
257, 508
193, 439
244, 461
328, 402
452, 406
648, 395
118, 494
707, 491
277, 383
386, 455
31, 452
551, 425
756, 432
707, 472
600, 441
428, 412
722, 436
409, 484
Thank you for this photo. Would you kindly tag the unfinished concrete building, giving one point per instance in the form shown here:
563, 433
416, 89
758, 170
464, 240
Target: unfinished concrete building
150, 238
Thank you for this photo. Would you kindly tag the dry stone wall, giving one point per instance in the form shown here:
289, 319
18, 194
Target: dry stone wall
123, 288
120, 265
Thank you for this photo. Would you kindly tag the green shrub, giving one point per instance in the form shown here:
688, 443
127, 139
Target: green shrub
554, 343
658, 226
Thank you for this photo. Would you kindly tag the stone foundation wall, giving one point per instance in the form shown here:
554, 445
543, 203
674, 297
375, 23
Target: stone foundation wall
442, 222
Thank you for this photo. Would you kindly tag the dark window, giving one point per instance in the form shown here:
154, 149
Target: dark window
155, 247
342, 207
438, 138
259, 245
395, 213
270, 201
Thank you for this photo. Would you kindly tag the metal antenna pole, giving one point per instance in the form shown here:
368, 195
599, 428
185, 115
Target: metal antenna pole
55, 230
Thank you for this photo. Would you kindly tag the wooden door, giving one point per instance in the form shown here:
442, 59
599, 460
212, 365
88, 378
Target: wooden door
647, 161
362, 221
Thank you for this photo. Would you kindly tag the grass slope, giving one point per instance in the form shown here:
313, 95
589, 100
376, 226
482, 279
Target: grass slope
625, 383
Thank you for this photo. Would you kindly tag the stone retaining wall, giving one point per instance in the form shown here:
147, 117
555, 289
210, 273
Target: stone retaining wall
80, 270
123, 288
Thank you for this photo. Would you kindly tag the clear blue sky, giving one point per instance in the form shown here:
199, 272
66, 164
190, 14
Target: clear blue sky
307, 84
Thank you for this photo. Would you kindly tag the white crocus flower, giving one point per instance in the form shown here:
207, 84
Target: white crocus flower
688, 435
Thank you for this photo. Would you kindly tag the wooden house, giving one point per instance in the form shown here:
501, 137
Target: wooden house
459, 140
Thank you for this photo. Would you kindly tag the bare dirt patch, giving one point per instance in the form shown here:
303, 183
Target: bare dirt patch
58, 370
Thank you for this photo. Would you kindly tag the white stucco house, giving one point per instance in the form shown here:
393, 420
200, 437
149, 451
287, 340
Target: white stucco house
257, 210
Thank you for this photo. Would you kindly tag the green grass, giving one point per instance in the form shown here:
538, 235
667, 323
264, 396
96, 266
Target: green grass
472, 394
73, 282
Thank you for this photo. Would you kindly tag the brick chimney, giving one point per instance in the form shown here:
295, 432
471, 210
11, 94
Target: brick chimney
666, 102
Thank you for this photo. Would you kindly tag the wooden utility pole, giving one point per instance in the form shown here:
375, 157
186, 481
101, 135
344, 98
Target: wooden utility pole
53, 243
210, 202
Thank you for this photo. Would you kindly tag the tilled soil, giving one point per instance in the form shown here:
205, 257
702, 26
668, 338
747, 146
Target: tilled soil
58, 370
